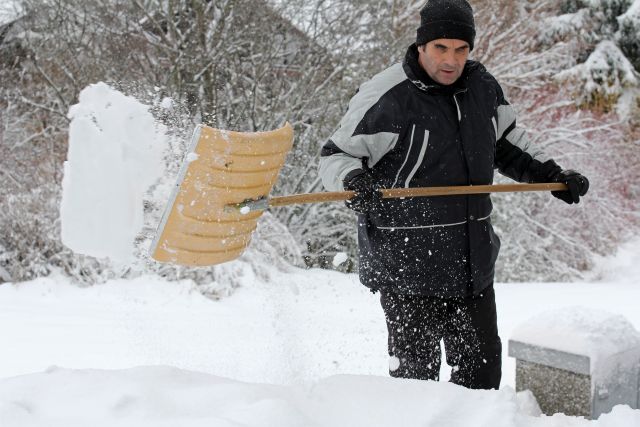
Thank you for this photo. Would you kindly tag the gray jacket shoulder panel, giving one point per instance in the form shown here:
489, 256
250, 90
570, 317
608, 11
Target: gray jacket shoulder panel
366, 131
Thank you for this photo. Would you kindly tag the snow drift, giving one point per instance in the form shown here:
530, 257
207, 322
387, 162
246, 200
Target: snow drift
163, 396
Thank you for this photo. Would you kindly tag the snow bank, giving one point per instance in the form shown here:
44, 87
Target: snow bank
163, 396
115, 154
303, 327
580, 330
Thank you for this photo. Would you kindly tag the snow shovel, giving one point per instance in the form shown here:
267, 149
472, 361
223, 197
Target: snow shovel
223, 187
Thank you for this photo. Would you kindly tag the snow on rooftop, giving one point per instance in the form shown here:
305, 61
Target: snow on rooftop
580, 330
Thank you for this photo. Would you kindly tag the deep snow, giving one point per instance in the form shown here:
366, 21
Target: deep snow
173, 357
162, 396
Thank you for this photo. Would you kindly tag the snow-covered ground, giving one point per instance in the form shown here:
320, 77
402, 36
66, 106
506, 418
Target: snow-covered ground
148, 352
306, 348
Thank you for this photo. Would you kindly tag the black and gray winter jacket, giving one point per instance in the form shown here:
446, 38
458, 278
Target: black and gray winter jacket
411, 132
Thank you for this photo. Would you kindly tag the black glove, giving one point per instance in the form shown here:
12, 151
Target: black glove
368, 198
578, 185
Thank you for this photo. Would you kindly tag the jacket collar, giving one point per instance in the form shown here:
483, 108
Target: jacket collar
421, 79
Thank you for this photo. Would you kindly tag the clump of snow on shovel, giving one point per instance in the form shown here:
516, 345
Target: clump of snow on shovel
115, 155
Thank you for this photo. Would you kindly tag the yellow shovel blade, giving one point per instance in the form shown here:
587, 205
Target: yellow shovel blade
222, 168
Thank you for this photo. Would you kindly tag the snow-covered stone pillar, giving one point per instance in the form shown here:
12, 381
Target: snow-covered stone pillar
578, 361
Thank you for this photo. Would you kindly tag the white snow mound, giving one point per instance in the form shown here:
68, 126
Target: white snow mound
164, 396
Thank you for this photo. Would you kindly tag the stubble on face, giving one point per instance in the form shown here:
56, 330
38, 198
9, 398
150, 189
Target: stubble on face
444, 59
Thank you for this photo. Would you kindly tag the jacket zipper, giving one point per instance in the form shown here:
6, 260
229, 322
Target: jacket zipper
466, 164
464, 153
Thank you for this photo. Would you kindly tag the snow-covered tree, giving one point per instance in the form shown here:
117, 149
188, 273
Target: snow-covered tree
250, 66
605, 35
628, 34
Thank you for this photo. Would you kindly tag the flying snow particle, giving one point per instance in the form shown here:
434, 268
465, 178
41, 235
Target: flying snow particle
339, 258
167, 103
394, 363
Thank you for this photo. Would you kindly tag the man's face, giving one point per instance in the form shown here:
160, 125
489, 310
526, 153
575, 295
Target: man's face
444, 59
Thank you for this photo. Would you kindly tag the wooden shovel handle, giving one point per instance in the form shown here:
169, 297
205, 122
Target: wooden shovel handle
394, 193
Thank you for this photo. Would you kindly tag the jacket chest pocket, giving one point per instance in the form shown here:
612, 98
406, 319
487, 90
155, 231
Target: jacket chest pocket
414, 156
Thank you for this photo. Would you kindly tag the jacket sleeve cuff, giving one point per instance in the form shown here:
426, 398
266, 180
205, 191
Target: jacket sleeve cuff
349, 176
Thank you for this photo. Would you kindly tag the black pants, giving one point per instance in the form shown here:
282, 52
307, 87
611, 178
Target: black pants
468, 327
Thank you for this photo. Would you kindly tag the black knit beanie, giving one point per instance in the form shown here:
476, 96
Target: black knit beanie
446, 19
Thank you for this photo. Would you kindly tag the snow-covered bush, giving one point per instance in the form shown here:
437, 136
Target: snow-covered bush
611, 9
628, 35
30, 235
606, 37
574, 27
602, 78
542, 238
572, 6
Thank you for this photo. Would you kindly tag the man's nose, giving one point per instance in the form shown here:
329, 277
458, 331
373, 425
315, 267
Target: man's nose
449, 60
450, 57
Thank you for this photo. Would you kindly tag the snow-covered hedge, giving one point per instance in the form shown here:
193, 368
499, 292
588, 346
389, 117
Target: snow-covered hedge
603, 77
